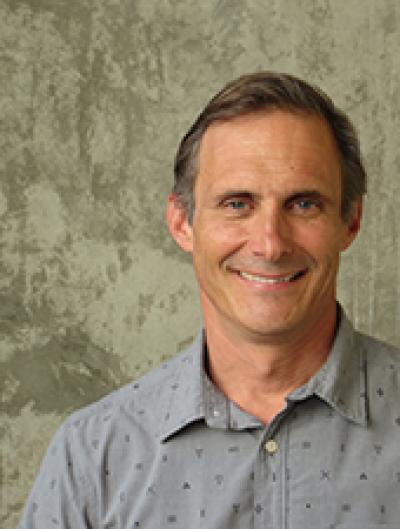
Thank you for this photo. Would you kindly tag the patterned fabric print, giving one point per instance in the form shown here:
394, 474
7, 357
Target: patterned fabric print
170, 451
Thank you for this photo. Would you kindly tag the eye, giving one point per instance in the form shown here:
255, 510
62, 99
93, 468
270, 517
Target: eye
307, 203
305, 206
236, 205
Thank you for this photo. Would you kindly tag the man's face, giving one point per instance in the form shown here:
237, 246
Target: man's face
267, 232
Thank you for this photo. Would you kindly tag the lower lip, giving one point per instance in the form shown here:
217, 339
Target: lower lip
271, 287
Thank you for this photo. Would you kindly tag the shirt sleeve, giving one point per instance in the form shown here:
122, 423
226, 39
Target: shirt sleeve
59, 497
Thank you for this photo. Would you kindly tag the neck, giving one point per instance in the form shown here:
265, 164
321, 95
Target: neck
258, 374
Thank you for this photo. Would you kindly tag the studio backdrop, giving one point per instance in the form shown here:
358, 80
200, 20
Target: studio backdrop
94, 98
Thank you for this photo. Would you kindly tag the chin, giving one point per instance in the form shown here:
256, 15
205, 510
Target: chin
272, 330
274, 322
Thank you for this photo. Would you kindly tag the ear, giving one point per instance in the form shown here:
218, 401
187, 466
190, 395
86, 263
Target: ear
178, 223
353, 224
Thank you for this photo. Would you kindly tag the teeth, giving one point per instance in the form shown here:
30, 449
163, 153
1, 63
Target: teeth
270, 281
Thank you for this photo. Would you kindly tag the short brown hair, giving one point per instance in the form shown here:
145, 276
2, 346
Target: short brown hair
264, 91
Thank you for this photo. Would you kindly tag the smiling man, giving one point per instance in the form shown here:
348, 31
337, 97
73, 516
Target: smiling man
266, 236
280, 415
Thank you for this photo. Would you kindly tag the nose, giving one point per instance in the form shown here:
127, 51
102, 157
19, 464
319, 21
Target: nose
271, 235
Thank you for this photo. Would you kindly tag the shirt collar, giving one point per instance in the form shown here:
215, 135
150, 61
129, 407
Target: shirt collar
190, 396
181, 400
341, 381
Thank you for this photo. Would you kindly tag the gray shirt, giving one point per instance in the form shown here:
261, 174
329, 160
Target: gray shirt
171, 452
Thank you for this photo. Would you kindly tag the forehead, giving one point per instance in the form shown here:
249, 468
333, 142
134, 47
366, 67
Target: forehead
276, 144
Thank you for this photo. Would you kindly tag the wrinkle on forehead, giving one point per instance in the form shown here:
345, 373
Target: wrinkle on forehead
291, 145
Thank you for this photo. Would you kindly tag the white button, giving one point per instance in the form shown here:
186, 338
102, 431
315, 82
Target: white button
216, 413
271, 446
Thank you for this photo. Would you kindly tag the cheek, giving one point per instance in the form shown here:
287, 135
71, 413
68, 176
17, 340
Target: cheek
216, 240
323, 243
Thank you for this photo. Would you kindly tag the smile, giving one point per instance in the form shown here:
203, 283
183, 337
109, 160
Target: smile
272, 280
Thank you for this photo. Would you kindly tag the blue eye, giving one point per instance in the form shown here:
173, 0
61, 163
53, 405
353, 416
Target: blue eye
236, 204
306, 204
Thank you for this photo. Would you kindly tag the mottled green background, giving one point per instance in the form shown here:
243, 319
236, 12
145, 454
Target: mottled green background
94, 97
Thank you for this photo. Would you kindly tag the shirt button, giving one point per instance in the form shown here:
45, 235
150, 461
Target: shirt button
271, 446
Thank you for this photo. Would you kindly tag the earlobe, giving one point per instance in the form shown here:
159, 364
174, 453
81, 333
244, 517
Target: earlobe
178, 223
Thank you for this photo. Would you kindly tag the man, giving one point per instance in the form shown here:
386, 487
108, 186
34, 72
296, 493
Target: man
280, 415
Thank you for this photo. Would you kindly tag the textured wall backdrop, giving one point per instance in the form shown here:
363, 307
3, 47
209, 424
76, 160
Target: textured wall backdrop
94, 97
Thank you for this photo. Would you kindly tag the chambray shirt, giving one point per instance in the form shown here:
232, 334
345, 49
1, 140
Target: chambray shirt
171, 452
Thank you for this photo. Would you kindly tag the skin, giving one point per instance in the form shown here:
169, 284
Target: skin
267, 208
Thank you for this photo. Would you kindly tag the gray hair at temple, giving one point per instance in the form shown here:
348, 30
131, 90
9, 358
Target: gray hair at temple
263, 92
